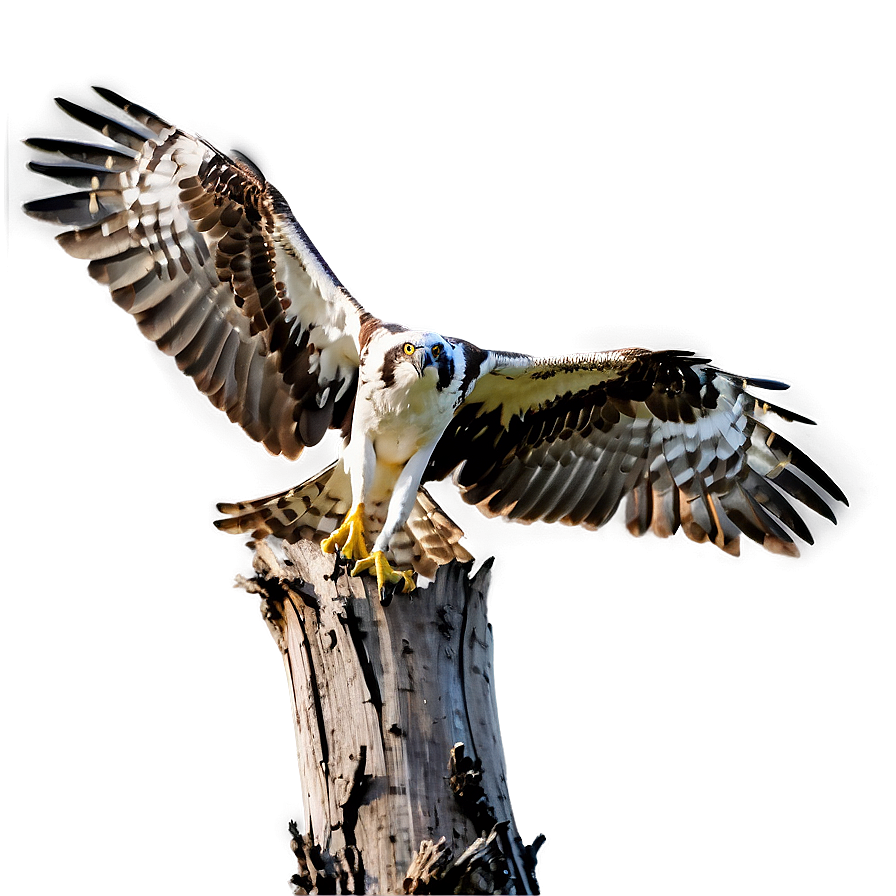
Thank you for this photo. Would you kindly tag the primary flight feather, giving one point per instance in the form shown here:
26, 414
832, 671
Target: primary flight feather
206, 255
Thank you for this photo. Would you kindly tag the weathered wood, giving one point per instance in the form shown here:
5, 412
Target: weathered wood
397, 731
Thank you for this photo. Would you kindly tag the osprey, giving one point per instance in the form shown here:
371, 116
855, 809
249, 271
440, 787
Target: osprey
205, 253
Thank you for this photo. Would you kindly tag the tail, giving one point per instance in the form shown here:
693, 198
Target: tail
314, 510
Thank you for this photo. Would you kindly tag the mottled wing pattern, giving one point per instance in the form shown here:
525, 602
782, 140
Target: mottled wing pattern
567, 439
208, 258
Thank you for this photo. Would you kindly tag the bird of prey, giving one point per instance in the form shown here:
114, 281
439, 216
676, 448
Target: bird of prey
206, 255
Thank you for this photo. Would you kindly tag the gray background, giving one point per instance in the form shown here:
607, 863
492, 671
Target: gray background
691, 175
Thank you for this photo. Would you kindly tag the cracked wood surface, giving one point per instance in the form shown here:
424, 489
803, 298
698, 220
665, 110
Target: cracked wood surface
396, 724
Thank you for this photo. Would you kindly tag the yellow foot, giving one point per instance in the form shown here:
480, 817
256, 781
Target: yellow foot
384, 572
349, 537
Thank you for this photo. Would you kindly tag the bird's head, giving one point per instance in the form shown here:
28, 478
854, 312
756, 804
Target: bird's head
427, 353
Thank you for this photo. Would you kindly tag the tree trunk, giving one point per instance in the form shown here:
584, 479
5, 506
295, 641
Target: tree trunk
397, 730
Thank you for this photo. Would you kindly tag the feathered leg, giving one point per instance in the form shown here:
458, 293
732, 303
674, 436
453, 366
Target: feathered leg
403, 497
348, 539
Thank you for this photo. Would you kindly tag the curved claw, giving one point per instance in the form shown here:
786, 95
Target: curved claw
384, 573
348, 539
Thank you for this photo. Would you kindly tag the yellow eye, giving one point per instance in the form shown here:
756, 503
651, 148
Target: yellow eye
409, 348
436, 350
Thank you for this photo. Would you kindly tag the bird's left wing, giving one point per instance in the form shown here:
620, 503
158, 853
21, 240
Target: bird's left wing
208, 258
567, 439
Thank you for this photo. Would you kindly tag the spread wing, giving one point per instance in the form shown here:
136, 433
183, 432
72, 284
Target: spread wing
566, 440
208, 258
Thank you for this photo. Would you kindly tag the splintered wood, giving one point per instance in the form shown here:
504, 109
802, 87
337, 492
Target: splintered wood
400, 754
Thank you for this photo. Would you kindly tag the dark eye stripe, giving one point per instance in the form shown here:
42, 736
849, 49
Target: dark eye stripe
446, 371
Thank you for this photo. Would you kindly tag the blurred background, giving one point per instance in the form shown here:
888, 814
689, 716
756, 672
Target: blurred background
702, 176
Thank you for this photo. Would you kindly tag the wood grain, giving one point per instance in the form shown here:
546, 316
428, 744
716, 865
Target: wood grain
399, 748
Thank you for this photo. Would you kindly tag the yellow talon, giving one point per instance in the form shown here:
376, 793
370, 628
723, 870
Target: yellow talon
384, 572
349, 537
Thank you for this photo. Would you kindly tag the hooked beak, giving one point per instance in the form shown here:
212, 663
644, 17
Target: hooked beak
423, 359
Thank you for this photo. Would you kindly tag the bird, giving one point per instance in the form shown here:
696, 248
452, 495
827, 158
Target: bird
205, 253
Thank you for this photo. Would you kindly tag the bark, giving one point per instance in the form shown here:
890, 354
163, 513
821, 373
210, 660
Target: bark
397, 731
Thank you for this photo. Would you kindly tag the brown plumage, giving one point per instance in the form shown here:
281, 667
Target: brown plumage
206, 255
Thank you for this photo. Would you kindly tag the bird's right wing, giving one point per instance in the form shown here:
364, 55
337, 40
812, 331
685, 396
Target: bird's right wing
208, 258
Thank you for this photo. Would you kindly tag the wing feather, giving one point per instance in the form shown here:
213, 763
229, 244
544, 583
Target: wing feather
207, 256
566, 440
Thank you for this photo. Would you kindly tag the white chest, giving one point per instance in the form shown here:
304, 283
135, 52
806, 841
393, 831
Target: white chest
401, 419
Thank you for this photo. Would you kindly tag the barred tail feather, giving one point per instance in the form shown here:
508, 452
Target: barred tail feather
429, 539
311, 510
315, 509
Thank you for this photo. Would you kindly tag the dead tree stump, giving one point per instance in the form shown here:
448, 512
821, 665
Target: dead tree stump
400, 754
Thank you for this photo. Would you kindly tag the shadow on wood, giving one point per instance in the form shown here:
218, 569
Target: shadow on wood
399, 749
